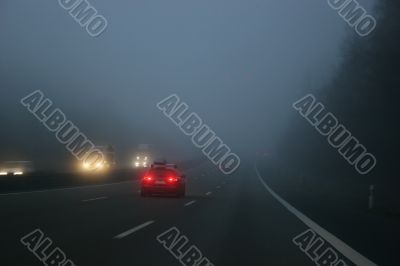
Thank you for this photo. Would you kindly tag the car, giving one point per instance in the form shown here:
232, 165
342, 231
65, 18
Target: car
141, 161
163, 180
106, 165
16, 168
101, 167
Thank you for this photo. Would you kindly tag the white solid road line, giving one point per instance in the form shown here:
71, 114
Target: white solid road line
189, 203
342, 247
66, 188
208, 193
99, 198
133, 230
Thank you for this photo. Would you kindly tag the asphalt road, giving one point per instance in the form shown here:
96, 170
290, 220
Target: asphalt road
232, 220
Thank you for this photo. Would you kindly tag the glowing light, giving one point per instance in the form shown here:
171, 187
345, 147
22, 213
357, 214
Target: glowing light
172, 179
148, 178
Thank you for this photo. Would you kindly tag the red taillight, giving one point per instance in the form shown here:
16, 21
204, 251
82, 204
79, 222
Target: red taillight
148, 178
172, 179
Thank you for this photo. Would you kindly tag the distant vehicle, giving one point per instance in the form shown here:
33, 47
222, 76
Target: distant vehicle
16, 168
107, 163
144, 154
141, 161
163, 179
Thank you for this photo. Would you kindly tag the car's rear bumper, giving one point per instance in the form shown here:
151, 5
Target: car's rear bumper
163, 189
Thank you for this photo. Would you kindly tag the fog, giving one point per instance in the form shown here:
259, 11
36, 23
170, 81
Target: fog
238, 64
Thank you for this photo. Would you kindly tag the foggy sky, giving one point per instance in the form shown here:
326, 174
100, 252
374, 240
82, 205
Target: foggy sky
239, 64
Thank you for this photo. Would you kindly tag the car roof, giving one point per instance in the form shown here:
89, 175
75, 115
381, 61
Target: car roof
163, 165
164, 169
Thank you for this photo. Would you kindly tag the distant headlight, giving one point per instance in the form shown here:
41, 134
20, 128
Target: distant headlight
144, 164
18, 173
88, 166
3, 173
137, 164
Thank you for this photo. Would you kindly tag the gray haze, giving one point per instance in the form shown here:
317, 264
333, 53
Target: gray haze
238, 64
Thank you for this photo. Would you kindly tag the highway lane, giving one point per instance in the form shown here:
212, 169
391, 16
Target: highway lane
232, 220
80, 218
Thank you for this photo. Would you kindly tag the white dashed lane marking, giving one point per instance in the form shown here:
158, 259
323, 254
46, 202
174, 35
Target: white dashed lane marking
190, 203
99, 198
133, 230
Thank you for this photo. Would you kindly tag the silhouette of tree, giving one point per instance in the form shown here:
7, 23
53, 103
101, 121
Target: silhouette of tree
364, 96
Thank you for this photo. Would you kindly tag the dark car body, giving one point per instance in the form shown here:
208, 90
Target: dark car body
163, 180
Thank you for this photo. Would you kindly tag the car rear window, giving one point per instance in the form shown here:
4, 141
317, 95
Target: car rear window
162, 171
